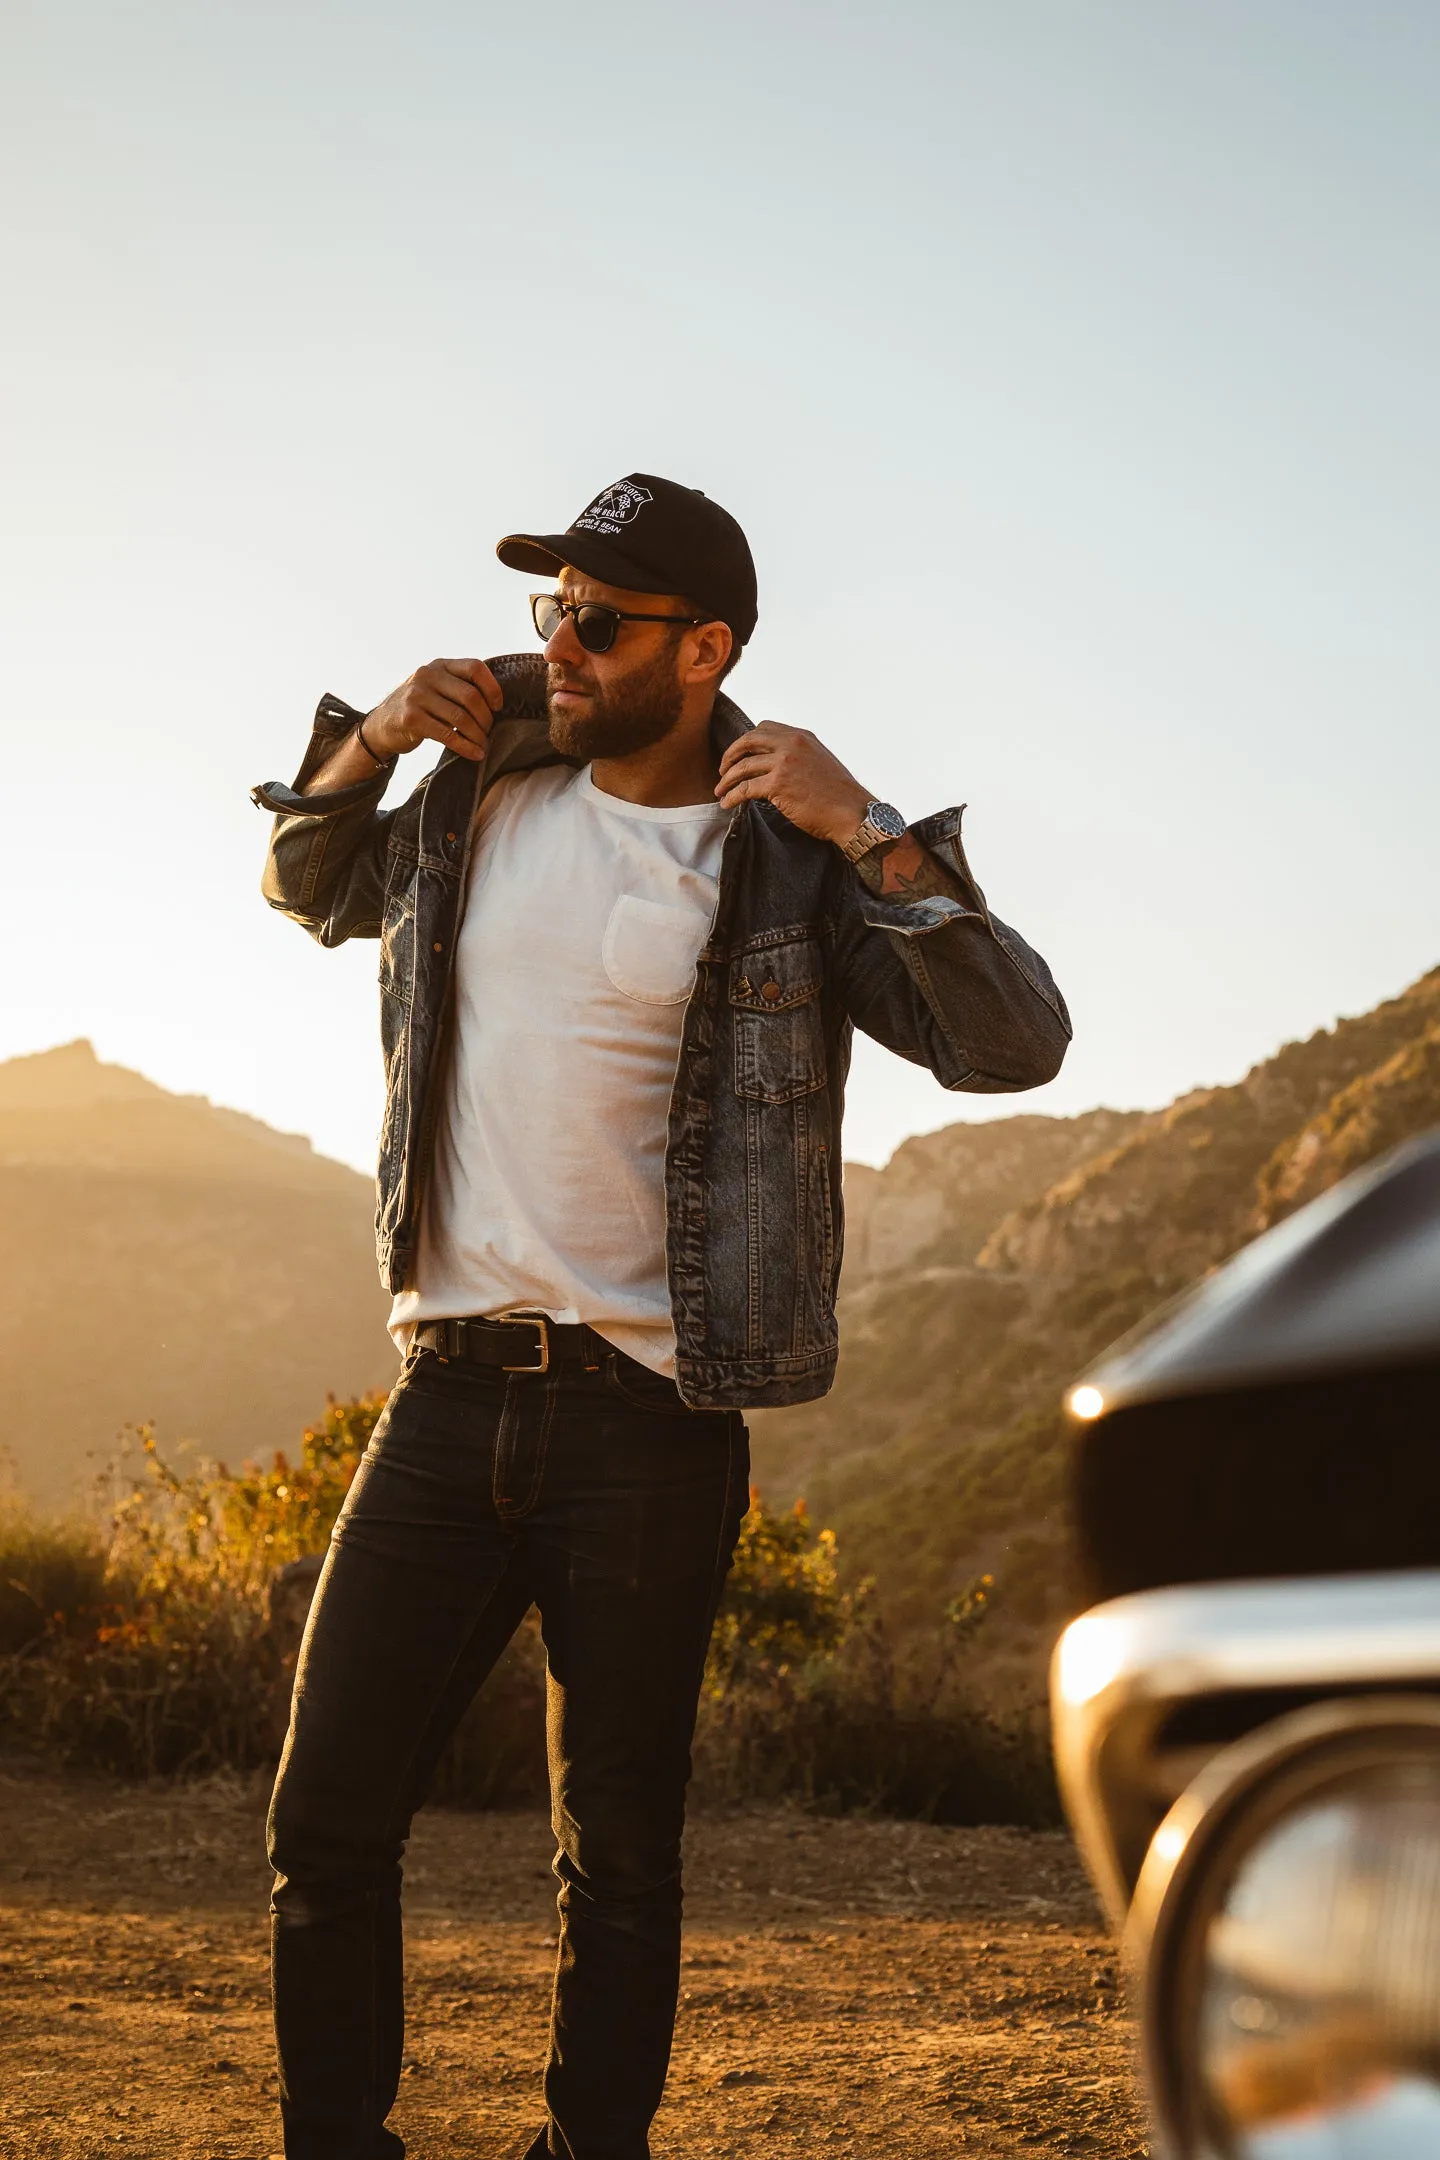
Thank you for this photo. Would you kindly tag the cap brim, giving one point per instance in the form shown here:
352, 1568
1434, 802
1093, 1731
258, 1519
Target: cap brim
545, 553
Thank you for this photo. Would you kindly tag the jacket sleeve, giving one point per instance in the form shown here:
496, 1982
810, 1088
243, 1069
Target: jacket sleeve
945, 983
326, 865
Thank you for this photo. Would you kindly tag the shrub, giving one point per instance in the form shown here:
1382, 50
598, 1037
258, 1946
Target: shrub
148, 1654
174, 1687
152, 1658
805, 1698
268, 1517
971, 1607
871, 1728
783, 1603
51, 1574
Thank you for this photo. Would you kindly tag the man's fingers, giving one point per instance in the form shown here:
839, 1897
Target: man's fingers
453, 702
769, 742
753, 754
755, 744
452, 725
440, 705
470, 745
732, 791
440, 681
476, 672
751, 768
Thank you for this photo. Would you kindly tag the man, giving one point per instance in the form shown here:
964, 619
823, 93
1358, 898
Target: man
624, 939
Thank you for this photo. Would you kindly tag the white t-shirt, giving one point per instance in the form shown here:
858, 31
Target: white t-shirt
583, 919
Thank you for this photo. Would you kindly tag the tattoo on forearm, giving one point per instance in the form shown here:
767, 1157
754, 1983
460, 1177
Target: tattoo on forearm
904, 870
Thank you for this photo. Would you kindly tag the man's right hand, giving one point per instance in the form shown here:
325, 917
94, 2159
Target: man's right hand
451, 701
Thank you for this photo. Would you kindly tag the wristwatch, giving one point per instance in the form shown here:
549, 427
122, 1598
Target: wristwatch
882, 821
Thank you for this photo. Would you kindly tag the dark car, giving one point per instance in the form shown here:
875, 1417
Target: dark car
1247, 1721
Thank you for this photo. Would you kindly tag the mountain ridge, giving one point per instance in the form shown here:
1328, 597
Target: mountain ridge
166, 1259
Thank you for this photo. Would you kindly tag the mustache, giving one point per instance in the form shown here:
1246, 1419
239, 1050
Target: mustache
560, 678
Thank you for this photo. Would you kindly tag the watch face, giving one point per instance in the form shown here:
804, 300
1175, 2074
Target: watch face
886, 819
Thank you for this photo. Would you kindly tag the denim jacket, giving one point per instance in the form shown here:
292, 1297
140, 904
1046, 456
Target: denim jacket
800, 952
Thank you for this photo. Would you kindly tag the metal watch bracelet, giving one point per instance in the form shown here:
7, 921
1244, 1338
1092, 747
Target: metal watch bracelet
882, 821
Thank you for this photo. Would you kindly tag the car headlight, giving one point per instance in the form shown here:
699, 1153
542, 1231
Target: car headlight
1286, 1930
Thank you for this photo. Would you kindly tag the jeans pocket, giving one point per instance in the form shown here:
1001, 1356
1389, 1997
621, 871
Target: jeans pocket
425, 1372
641, 1389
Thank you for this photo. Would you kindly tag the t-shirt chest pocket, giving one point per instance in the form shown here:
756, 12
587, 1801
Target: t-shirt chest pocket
649, 950
779, 1029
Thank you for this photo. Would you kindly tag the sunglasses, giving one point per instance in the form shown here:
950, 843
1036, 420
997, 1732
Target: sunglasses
595, 626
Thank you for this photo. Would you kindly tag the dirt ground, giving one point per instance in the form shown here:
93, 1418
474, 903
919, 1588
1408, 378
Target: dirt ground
858, 1987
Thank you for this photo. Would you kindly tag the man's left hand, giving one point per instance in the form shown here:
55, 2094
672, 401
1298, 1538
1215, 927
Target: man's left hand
791, 768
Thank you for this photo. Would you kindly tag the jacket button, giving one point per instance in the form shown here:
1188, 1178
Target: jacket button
770, 991
450, 837
438, 946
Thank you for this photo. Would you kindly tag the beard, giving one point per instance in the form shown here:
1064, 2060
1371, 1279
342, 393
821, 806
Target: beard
633, 713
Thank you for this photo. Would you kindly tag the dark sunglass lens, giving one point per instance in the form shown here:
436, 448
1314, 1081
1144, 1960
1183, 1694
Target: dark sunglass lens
547, 616
595, 627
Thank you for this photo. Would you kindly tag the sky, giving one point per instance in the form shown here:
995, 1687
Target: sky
1071, 365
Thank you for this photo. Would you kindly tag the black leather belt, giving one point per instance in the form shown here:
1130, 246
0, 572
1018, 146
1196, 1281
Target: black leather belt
530, 1344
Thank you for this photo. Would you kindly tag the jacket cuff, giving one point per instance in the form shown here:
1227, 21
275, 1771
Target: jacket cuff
334, 720
913, 918
940, 834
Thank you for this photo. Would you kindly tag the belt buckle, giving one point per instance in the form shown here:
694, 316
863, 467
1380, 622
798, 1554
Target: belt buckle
535, 1320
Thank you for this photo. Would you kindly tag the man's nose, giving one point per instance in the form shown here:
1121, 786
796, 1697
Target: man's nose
564, 648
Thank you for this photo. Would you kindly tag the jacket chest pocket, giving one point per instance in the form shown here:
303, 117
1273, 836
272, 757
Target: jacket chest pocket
779, 1030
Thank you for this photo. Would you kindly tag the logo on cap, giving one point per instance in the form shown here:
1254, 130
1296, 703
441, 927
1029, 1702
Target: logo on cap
613, 507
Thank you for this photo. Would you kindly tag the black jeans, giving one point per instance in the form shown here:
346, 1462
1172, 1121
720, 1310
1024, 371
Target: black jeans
604, 1501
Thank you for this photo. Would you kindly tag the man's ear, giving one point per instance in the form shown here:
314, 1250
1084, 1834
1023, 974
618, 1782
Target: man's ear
714, 642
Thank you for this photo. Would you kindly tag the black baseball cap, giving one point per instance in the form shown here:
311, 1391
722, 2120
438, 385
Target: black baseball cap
652, 535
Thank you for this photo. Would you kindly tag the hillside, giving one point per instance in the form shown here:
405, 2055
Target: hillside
163, 1259
945, 1191
939, 1454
